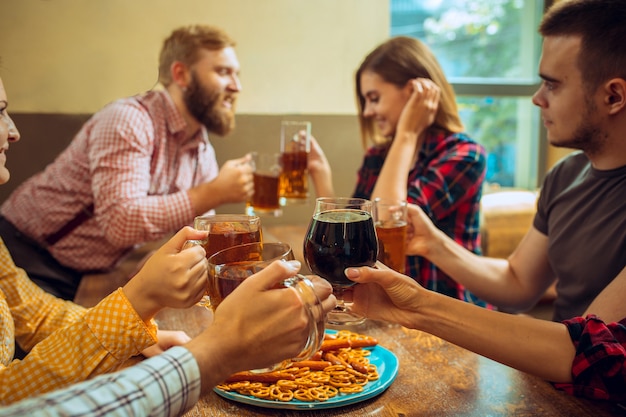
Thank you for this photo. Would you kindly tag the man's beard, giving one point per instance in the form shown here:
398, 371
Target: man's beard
588, 136
204, 105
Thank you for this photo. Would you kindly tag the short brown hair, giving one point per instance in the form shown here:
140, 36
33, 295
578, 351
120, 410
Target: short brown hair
184, 45
397, 61
601, 25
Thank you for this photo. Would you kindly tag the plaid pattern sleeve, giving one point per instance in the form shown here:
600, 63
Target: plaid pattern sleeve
599, 367
165, 385
101, 340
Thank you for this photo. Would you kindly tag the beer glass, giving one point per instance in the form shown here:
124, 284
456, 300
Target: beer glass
390, 219
228, 268
295, 144
225, 230
266, 175
341, 234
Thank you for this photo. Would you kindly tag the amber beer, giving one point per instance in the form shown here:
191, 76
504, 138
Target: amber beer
222, 237
265, 198
295, 144
267, 169
391, 237
390, 219
230, 267
294, 178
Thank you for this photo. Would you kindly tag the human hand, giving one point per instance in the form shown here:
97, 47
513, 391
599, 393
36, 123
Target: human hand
317, 159
320, 170
235, 181
172, 277
383, 294
420, 110
421, 232
273, 325
165, 340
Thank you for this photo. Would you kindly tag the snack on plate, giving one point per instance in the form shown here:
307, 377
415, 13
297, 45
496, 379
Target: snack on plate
340, 367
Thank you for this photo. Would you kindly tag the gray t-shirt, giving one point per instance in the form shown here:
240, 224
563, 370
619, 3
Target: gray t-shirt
583, 212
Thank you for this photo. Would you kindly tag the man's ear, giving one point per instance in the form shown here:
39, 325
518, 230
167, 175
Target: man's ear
615, 98
180, 74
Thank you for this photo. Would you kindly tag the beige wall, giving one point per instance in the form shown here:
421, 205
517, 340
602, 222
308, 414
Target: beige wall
297, 56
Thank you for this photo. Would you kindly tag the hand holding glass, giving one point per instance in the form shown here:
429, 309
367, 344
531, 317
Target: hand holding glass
230, 267
341, 234
225, 230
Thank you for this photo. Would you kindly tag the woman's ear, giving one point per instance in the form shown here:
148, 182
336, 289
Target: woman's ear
615, 98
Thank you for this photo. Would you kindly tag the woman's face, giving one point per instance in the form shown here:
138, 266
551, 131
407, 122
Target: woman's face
383, 102
8, 133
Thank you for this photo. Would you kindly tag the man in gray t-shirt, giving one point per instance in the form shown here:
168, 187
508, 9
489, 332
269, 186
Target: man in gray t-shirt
578, 237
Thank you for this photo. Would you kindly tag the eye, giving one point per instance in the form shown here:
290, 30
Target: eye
549, 85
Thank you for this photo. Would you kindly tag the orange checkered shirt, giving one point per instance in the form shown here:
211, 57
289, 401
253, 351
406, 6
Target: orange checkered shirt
67, 343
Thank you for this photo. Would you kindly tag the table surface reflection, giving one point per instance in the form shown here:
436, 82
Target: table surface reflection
435, 378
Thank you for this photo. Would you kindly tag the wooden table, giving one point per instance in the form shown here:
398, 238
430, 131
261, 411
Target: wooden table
435, 378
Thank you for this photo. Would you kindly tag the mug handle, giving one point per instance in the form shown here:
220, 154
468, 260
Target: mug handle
190, 243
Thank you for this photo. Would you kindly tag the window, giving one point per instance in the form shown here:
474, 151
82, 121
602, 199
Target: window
489, 50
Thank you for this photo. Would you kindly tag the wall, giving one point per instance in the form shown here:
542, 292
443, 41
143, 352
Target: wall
297, 56
62, 60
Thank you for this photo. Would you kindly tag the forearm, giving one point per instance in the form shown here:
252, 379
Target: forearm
134, 391
392, 181
539, 347
205, 197
490, 279
323, 183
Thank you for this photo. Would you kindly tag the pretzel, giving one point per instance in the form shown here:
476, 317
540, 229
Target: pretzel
345, 370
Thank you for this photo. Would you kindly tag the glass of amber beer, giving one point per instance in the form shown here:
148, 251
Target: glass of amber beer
295, 144
225, 230
228, 268
390, 219
266, 175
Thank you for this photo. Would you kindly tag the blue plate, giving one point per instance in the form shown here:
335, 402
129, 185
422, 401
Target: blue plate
385, 361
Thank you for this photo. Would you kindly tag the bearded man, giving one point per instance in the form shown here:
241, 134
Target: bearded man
139, 169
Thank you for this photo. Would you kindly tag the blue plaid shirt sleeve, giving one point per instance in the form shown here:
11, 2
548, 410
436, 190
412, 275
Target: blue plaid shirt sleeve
164, 385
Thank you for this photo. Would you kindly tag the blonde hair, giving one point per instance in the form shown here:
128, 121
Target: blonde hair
184, 45
397, 61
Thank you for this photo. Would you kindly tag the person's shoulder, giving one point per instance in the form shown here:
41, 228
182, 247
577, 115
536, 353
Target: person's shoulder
573, 162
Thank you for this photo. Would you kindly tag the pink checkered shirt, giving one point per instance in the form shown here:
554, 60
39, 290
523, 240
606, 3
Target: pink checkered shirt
134, 163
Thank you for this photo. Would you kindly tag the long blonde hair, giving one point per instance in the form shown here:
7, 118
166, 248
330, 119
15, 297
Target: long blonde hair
397, 61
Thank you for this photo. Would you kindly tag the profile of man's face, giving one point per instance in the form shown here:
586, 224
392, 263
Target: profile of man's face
212, 90
205, 105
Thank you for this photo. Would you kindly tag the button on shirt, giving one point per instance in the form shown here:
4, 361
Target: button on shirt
133, 161
69, 343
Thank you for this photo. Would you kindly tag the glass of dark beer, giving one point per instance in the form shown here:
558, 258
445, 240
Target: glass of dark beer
341, 234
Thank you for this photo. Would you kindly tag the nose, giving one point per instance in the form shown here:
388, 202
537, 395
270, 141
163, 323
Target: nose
235, 83
368, 109
538, 99
14, 134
